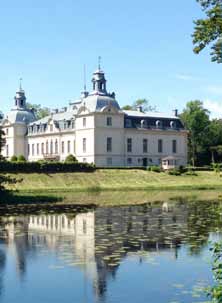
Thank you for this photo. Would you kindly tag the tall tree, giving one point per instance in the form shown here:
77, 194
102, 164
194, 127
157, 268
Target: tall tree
208, 31
196, 119
144, 104
40, 112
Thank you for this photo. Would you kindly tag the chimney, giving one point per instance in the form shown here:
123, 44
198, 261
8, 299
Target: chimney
139, 109
175, 112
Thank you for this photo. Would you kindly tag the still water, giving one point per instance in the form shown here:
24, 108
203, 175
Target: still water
152, 253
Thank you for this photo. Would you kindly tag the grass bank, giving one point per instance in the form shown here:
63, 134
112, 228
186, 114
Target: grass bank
115, 180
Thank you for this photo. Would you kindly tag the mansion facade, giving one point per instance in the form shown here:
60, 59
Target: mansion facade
95, 130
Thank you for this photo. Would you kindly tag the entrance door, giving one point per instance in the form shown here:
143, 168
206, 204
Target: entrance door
145, 162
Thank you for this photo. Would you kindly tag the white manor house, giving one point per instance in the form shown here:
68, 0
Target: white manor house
96, 130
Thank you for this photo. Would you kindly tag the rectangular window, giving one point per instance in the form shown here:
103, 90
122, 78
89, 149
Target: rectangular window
6, 131
33, 149
28, 149
109, 161
174, 146
129, 161
84, 122
42, 148
129, 145
109, 144
128, 123
160, 146
63, 147
7, 151
37, 149
74, 146
84, 145
145, 145
51, 127
109, 121
51, 147
68, 147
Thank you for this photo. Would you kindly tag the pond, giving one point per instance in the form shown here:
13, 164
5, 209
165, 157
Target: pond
155, 252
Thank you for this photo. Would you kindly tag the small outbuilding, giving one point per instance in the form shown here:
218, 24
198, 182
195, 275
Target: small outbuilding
169, 163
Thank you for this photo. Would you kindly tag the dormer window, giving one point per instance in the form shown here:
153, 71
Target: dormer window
143, 123
172, 124
158, 124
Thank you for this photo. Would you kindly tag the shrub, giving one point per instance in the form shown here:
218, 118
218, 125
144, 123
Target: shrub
70, 159
14, 158
45, 167
216, 167
155, 168
21, 158
174, 172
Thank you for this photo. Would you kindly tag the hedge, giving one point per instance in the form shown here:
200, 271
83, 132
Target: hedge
45, 167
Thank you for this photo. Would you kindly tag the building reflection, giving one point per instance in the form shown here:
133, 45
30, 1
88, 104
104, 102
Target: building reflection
98, 241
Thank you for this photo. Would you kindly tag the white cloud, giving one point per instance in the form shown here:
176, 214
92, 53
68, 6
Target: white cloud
214, 89
215, 108
186, 77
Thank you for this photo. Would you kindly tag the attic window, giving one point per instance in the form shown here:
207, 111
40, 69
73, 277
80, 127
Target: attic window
51, 127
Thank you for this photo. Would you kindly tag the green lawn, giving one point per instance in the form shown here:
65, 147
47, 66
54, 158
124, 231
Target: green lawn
119, 180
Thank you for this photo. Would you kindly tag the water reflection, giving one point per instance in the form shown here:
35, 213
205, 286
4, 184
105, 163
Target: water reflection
98, 241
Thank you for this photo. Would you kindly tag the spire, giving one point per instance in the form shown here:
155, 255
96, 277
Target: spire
84, 78
84, 94
99, 63
20, 84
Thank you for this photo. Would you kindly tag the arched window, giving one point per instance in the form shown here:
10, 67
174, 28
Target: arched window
51, 147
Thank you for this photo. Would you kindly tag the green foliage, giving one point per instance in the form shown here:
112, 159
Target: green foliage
40, 112
216, 167
143, 103
14, 158
208, 31
4, 179
21, 158
70, 159
45, 167
127, 107
215, 292
196, 120
154, 168
174, 172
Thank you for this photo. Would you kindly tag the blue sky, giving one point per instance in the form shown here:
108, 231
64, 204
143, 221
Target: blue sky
146, 51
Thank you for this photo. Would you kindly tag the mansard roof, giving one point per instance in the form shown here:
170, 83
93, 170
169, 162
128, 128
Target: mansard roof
137, 113
96, 102
152, 120
60, 116
20, 115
